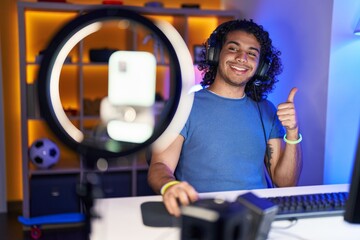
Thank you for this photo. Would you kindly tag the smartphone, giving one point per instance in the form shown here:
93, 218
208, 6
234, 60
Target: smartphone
127, 110
132, 78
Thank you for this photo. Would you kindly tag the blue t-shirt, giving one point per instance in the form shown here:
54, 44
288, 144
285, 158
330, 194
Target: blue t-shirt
224, 145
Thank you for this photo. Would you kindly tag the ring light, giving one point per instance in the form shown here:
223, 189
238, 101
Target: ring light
173, 115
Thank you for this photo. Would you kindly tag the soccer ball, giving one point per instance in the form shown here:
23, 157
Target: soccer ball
44, 153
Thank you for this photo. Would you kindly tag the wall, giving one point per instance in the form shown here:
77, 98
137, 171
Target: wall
11, 96
301, 30
343, 111
3, 206
321, 56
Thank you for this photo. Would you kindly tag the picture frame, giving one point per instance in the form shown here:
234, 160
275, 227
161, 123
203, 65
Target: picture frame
198, 53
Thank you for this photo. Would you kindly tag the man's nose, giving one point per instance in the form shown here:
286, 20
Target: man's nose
241, 57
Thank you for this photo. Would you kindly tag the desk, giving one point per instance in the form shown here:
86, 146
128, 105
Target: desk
121, 218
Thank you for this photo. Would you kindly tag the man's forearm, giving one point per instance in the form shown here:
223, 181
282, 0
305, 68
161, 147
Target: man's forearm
288, 170
158, 175
292, 165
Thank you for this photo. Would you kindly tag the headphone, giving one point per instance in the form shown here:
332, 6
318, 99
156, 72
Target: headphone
213, 49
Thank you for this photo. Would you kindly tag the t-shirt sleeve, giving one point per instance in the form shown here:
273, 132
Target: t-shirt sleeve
184, 131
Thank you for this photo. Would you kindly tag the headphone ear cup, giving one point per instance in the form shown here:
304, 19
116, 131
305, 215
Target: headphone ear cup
262, 70
212, 50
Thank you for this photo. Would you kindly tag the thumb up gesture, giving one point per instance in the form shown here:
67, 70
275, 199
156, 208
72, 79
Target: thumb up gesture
287, 113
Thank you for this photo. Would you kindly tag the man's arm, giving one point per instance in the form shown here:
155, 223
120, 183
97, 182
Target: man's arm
163, 164
286, 161
286, 158
161, 172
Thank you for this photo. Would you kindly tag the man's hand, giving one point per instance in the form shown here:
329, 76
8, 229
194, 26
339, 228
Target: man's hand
177, 195
287, 115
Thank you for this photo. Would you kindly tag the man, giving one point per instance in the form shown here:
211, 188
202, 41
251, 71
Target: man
232, 130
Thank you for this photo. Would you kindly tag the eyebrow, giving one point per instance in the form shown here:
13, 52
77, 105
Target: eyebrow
238, 44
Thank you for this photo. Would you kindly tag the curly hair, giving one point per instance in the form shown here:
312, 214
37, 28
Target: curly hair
267, 51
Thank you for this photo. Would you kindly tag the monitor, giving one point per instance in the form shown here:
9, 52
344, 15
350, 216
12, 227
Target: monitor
352, 209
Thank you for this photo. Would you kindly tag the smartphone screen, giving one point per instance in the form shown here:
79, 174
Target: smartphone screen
128, 109
132, 78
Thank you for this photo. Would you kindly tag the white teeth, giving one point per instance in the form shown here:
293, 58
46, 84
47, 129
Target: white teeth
239, 68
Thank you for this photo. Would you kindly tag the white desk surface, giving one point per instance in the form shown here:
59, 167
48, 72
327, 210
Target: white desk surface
121, 218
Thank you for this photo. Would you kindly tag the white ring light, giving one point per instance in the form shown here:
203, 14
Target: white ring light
182, 79
188, 81
60, 114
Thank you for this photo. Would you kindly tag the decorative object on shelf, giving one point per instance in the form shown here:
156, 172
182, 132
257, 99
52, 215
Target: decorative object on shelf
101, 54
44, 153
92, 106
190, 5
71, 111
39, 57
158, 47
154, 4
58, 1
198, 51
112, 2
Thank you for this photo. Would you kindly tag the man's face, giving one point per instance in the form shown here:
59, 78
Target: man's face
239, 58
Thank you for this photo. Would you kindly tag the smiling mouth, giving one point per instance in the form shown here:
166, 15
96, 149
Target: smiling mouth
241, 69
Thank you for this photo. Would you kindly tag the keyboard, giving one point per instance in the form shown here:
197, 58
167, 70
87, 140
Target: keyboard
310, 205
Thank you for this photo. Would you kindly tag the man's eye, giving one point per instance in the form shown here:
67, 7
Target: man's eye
232, 49
252, 54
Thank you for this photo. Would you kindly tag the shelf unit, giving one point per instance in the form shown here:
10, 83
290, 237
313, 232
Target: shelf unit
38, 22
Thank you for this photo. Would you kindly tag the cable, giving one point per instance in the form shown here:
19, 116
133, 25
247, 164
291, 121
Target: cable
291, 222
267, 161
